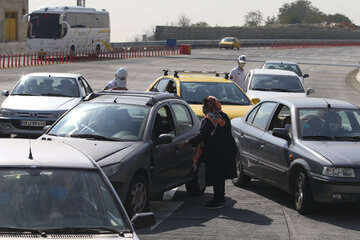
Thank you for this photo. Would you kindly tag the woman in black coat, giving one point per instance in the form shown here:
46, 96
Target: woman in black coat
218, 149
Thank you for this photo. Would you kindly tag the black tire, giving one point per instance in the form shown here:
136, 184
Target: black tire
138, 199
232, 47
5, 135
242, 179
197, 186
304, 202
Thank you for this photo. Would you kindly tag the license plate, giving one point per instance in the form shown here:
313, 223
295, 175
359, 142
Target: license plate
27, 123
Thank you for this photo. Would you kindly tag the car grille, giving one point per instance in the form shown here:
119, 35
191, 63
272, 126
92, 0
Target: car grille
34, 115
16, 124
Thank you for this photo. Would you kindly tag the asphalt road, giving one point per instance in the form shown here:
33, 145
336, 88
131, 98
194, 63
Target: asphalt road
259, 211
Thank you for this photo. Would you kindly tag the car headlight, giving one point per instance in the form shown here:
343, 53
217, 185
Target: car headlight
110, 170
338, 172
7, 113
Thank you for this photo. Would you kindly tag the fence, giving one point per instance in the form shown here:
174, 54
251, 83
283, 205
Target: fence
37, 59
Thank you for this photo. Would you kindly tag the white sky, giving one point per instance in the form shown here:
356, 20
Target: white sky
130, 18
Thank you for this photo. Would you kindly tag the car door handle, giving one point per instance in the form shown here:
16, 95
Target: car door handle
262, 145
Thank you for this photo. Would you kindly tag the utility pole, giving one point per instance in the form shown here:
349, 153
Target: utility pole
80, 3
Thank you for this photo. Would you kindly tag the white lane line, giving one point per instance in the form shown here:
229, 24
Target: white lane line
163, 210
168, 195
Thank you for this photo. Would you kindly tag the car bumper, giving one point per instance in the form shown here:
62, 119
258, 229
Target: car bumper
13, 126
326, 191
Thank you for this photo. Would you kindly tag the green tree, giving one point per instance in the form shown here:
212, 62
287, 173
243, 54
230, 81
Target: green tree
200, 24
296, 12
338, 18
253, 18
271, 20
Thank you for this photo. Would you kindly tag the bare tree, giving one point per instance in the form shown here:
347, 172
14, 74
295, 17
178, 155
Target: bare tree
183, 21
253, 18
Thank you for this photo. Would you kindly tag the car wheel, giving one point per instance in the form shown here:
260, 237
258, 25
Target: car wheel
242, 180
197, 186
5, 135
232, 47
137, 199
303, 196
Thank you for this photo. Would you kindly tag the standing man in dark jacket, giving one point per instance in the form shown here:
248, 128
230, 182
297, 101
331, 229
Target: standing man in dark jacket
218, 149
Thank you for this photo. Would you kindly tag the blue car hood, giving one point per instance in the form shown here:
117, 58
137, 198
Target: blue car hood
338, 152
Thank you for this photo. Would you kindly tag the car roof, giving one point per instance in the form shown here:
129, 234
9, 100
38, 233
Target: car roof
48, 74
313, 102
130, 97
16, 153
273, 72
284, 62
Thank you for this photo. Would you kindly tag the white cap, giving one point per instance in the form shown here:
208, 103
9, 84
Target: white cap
120, 78
242, 59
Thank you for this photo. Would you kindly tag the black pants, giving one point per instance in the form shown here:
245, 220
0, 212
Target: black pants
219, 189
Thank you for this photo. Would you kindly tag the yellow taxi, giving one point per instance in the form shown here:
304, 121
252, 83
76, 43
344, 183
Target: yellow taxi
193, 86
230, 42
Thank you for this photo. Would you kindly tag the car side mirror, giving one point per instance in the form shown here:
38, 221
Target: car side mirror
255, 100
143, 220
25, 17
306, 75
5, 93
281, 133
46, 128
309, 91
164, 139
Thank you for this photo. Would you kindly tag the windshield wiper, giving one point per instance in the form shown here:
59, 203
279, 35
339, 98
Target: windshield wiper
193, 102
24, 94
261, 89
345, 138
87, 230
19, 230
92, 136
280, 90
318, 137
55, 95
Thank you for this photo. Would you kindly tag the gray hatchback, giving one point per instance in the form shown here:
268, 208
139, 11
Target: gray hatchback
133, 136
308, 147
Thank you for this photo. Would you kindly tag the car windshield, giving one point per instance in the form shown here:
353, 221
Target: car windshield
284, 66
103, 121
276, 83
227, 93
329, 124
46, 198
228, 40
47, 86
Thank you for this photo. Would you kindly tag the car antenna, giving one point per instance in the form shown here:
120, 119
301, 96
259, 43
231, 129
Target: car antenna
328, 104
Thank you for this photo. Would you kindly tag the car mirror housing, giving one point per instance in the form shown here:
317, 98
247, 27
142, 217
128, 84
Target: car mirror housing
309, 91
143, 220
5, 93
281, 133
255, 100
306, 75
164, 139
46, 128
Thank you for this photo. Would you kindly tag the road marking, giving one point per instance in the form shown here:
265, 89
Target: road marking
163, 210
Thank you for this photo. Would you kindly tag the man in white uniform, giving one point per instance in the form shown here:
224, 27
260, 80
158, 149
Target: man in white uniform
119, 82
237, 74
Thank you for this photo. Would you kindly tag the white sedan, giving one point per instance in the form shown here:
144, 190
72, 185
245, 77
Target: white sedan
265, 83
39, 99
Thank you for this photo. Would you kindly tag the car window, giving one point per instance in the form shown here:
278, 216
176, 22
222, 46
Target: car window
164, 122
263, 115
57, 198
183, 118
280, 117
250, 117
161, 85
171, 87
284, 66
228, 93
88, 89
277, 83
331, 123
103, 121
47, 86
